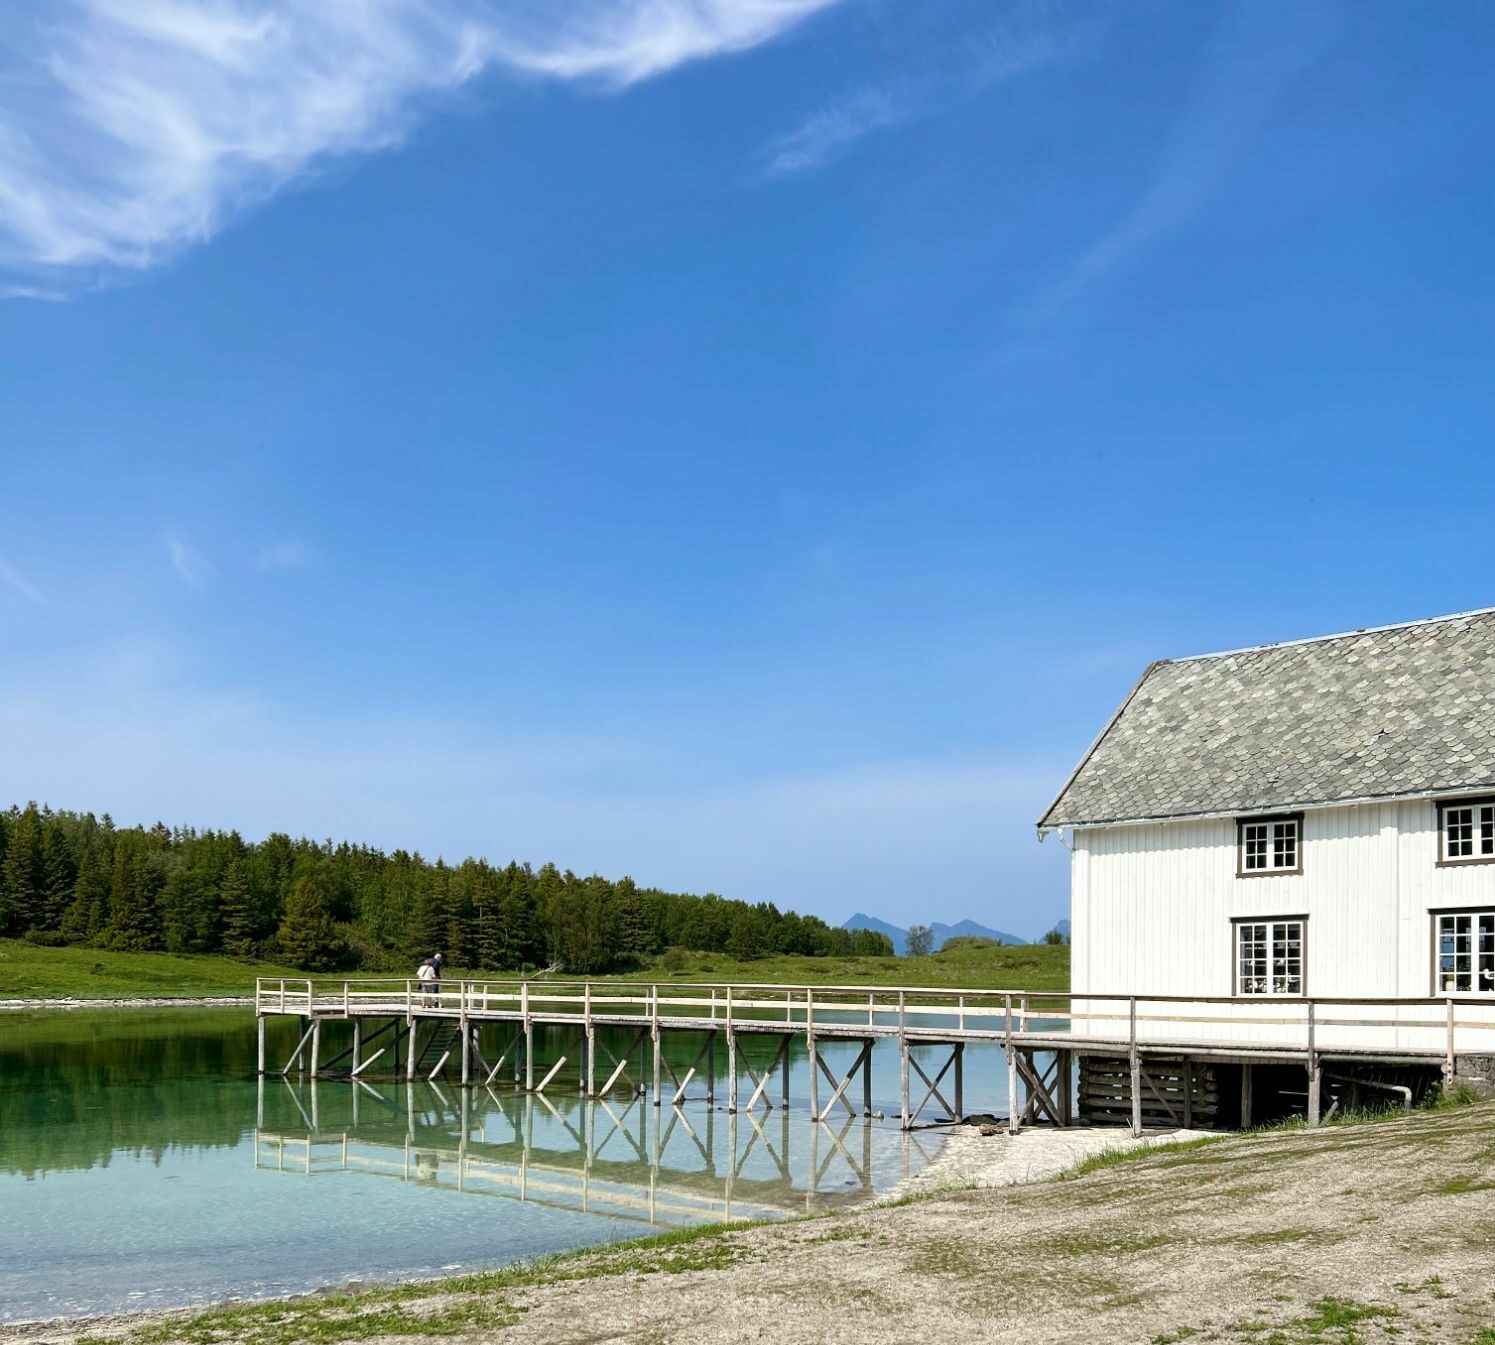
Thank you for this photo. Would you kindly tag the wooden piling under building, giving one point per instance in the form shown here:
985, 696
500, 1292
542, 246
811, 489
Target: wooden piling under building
1070, 1058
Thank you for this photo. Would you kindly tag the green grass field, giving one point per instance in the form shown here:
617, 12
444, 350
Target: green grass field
979, 967
31, 972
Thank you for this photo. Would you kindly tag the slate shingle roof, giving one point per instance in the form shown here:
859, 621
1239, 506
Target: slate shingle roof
1378, 713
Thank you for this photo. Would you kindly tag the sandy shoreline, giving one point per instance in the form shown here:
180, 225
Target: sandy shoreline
970, 1159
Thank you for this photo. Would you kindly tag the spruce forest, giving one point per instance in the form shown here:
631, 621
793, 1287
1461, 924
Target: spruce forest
70, 877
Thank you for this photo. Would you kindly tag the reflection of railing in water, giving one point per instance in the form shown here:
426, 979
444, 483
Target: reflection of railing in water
625, 1160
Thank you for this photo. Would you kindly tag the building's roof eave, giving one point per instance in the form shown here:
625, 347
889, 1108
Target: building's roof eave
1044, 826
1292, 805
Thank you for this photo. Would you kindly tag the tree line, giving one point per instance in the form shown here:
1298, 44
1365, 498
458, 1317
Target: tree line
69, 877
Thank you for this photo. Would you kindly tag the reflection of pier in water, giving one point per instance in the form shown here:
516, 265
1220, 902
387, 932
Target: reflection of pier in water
626, 1160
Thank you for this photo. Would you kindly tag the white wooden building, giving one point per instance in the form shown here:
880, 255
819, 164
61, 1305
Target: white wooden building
1293, 823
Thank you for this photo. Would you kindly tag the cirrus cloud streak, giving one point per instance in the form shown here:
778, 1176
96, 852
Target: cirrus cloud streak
130, 129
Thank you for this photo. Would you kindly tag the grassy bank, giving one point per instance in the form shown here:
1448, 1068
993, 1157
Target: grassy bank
978, 967
31, 972
1360, 1235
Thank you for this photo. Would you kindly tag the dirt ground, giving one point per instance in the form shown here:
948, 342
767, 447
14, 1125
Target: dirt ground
1374, 1233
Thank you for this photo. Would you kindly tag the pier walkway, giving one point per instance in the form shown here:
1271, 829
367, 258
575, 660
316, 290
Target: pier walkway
1135, 1056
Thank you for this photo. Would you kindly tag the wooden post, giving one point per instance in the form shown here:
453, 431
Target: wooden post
903, 1054
813, 1055
261, 1033
1066, 1088
1014, 1112
654, 1035
357, 1040
466, 1048
1246, 1070
316, 1045
788, 1048
731, 1066
1315, 1075
1450, 1060
529, 1038
1136, 1063
591, 1045
867, 1081
960, 1088
711, 1056
1188, 1093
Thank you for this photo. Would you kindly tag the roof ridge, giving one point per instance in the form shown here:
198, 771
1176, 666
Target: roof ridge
1339, 635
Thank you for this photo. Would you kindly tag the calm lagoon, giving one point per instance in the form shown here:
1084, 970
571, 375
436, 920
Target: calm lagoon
142, 1165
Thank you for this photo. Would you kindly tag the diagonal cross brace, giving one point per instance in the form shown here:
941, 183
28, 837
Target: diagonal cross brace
934, 1086
1039, 1085
840, 1088
767, 1078
620, 1065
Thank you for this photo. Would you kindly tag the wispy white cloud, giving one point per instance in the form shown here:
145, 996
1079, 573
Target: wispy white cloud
17, 582
191, 566
1256, 52
828, 131
285, 554
132, 128
38, 293
837, 124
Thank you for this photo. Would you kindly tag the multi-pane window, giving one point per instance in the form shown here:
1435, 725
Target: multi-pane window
1468, 830
1466, 953
1269, 957
1271, 844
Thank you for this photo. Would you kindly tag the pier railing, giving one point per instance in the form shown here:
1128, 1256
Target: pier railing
1421, 1028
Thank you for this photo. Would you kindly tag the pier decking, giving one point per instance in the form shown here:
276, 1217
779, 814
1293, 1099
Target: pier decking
1152, 1045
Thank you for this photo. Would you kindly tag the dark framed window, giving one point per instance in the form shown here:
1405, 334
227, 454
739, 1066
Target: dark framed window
1270, 956
1266, 845
1466, 831
1464, 952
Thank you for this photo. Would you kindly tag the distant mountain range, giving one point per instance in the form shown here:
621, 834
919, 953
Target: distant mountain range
966, 928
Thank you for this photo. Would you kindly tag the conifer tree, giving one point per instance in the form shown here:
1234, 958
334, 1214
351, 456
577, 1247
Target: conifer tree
306, 936
20, 875
89, 911
239, 912
58, 874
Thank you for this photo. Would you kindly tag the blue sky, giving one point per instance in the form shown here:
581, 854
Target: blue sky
750, 444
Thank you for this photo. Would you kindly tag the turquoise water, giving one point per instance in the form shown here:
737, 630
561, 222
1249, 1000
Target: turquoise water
142, 1165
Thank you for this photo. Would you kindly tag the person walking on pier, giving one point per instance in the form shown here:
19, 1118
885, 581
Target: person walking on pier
426, 975
436, 978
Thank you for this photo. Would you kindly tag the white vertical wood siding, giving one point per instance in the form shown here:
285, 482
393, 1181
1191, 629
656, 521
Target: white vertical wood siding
1153, 906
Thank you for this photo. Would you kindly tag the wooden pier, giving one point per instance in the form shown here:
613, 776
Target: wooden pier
1137, 1058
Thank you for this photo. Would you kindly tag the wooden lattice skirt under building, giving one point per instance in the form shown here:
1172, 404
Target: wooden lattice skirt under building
1175, 1092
